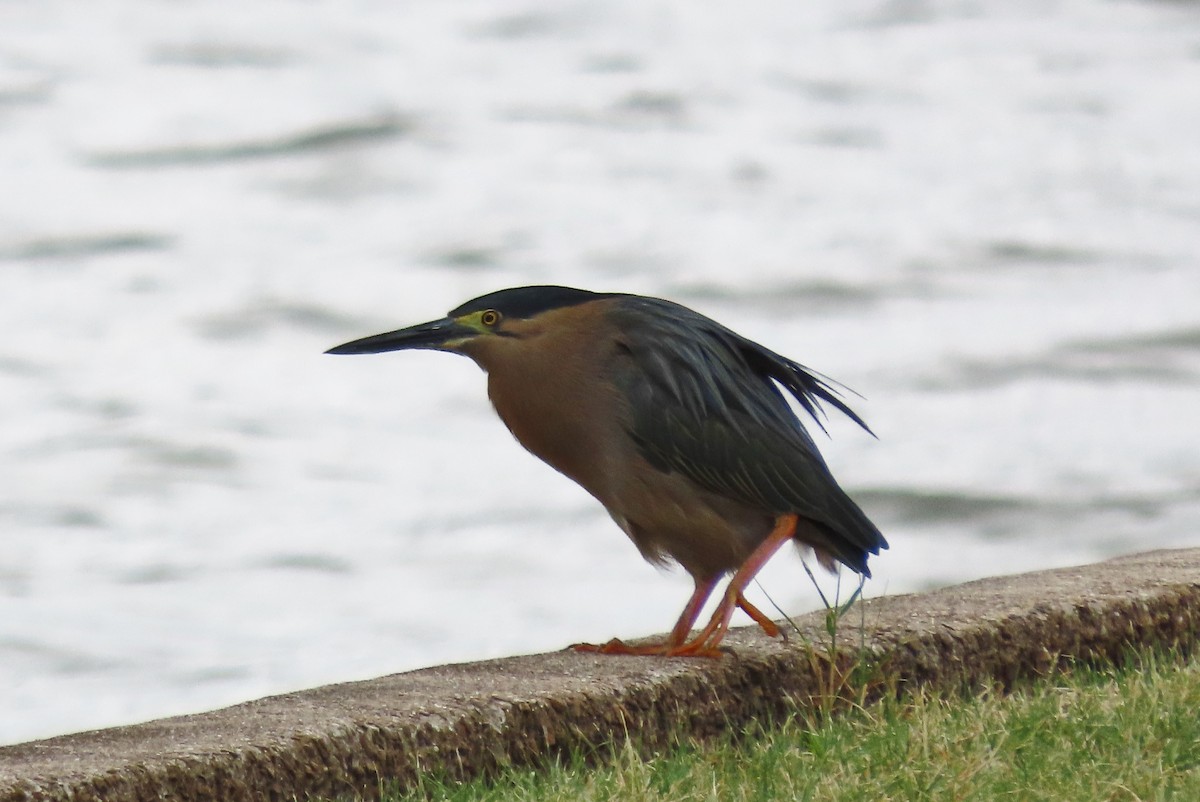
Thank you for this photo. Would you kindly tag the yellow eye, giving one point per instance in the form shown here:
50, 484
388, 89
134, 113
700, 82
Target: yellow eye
489, 318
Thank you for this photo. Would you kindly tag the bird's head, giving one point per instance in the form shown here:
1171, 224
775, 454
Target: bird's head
483, 325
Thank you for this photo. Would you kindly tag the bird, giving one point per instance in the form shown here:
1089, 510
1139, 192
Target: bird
676, 424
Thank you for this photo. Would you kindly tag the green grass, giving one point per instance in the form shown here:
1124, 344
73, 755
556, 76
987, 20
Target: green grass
1114, 734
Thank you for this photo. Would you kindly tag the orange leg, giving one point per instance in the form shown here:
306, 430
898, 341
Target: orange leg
687, 619
768, 626
691, 611
707, 643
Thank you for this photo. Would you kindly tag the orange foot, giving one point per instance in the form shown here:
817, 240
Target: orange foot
618, 646
708, 642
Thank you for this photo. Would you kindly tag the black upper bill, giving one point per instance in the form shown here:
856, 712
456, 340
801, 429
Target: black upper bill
435, 335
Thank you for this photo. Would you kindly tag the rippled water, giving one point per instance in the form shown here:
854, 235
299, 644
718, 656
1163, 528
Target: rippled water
983, 217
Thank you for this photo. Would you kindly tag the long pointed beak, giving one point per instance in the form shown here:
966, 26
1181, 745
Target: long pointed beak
437, 335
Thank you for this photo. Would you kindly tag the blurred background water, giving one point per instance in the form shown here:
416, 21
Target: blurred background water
984, 217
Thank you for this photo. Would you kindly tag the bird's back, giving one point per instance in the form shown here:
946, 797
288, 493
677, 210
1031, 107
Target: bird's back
706, 402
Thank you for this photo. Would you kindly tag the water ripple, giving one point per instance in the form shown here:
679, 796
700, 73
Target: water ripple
321, 138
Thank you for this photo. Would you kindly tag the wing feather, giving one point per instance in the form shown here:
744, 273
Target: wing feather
706, 403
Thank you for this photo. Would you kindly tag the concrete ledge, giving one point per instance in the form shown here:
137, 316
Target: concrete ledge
467, 720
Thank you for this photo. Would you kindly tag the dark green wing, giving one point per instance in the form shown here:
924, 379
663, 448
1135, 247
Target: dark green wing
706, 403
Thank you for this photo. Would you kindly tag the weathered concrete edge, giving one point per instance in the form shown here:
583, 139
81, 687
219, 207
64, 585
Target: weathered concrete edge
472, 719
